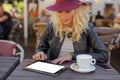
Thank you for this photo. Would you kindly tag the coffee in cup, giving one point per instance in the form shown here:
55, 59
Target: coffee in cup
85, 61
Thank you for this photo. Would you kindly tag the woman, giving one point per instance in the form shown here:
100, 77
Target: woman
69, 33
43, 17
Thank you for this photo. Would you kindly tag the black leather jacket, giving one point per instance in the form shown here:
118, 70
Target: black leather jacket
90, 43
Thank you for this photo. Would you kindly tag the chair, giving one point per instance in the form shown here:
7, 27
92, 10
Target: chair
115, 58
39, 29
111, 39
99, 22
14, 34
10, 48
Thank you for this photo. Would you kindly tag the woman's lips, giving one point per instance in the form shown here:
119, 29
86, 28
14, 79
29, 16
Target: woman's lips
65, 20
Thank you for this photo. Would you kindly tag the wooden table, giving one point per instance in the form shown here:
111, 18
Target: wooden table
113, 33
106, 30
7, 65
98, 74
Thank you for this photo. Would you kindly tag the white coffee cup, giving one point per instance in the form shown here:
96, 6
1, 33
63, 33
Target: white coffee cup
85, 61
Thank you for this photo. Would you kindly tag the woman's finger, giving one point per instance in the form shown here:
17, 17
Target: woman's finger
36, 57
33, 57
43, 56
63, 60
56, 60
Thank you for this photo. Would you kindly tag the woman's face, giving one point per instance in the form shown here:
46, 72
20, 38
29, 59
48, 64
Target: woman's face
66, 17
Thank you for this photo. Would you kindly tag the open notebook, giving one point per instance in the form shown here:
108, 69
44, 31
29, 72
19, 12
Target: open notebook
46, 68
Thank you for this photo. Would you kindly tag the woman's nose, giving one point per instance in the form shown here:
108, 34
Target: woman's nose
64, 15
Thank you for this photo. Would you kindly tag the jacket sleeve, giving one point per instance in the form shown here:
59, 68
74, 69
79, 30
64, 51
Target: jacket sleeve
94, 42
43, 44
98, 49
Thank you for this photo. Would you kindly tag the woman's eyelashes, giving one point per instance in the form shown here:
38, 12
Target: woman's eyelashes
64, 11
67, 11
59, 11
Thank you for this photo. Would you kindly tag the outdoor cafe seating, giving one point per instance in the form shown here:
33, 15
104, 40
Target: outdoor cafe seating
99, 74
112, 44
103, 32
11, 54
113, 34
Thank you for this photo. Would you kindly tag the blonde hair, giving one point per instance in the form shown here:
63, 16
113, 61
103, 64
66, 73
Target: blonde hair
79, 25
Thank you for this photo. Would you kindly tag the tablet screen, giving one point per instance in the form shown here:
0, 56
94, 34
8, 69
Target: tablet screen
45, 67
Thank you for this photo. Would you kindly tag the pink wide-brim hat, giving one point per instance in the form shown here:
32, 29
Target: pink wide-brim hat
64, 5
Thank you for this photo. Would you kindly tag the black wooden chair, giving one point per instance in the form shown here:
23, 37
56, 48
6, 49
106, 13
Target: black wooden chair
15, 32
115, 58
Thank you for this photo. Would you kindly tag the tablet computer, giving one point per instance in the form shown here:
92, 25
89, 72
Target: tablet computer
45, 68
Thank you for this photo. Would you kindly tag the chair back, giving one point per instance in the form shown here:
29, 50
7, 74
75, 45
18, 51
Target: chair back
14, 34
6, 49
98, 22
9, 48
39, 29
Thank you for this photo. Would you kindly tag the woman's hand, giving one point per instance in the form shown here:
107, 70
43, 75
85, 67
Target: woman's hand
62, 59
40, 56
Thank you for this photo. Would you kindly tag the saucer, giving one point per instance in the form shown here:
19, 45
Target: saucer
75, 67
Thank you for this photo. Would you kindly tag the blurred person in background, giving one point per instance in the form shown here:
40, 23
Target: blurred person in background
111, 14
43, 16
5, 23
116, 22
32, 18
97, 19
1, 31
69, 34
99, 16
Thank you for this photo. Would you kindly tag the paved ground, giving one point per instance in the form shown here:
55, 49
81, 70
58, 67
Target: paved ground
30, 48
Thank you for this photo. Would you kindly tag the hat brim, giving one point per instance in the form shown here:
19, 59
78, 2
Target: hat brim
64, 6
